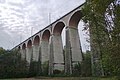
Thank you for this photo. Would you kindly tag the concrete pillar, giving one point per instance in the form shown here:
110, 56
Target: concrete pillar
23, 54
44, 51
75, 44
51, 58
29, 52
44, 55
73, 49
58, 52
39, 62
35, 53
68, 57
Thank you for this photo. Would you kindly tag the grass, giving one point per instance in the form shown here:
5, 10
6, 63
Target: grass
66, 78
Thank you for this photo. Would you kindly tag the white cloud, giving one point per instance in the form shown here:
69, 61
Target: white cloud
15, 1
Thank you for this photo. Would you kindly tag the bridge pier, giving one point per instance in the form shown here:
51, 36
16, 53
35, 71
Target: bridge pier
35, 59
68, 67
58, 53
23, 54
44, 56
75, 44
73, 55
56, 60
51, 58
35, 53
29, 53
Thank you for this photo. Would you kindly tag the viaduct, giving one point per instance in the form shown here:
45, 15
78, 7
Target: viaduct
46, 45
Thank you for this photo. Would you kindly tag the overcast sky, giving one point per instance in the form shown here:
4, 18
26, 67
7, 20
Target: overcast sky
18, 17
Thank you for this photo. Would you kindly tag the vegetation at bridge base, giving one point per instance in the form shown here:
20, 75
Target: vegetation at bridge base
45, 68
83, 69
76, 69
11, 64
102, 18
86, 70
34, 69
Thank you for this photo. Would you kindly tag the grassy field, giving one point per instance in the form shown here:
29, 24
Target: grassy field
65, 78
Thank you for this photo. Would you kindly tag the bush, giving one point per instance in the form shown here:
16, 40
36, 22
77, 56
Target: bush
56, 71
45, 67
76, 69
86, 65
11, 65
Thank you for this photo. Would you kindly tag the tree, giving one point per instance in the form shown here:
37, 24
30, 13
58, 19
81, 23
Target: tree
12, 66
102, 17
2, 51
86, 65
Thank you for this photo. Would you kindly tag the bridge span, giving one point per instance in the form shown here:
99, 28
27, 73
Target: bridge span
45, 47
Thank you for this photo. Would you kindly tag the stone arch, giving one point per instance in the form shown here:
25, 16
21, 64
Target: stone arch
19, 47
74, 53
36, 48
45, 50
46, 35
29, 44
58, 28
29, 51
75, 18
58, 58
23, 51
24, 46
36, 40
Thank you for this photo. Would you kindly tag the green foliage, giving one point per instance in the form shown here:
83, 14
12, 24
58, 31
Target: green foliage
34, 69
86, 65
76, 69
45, 67
11, 65
56, 72
2, 51
103, 20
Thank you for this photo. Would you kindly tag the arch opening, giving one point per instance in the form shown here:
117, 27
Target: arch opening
76, 22
77, 40
63, 37
46, 35
24, 46
84, 36
58, 28
29, 44
75, 18
44, 52
58, 48
36, 40
19, 48
23, 52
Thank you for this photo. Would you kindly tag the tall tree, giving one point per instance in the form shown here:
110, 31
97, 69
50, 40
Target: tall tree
102, 17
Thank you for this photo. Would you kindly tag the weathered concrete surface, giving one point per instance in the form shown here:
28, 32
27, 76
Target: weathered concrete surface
29, 52
44, 57
35, 52
44, 51
58, 52
51, 58
23, 54
75, 44
68, 57
73, 51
